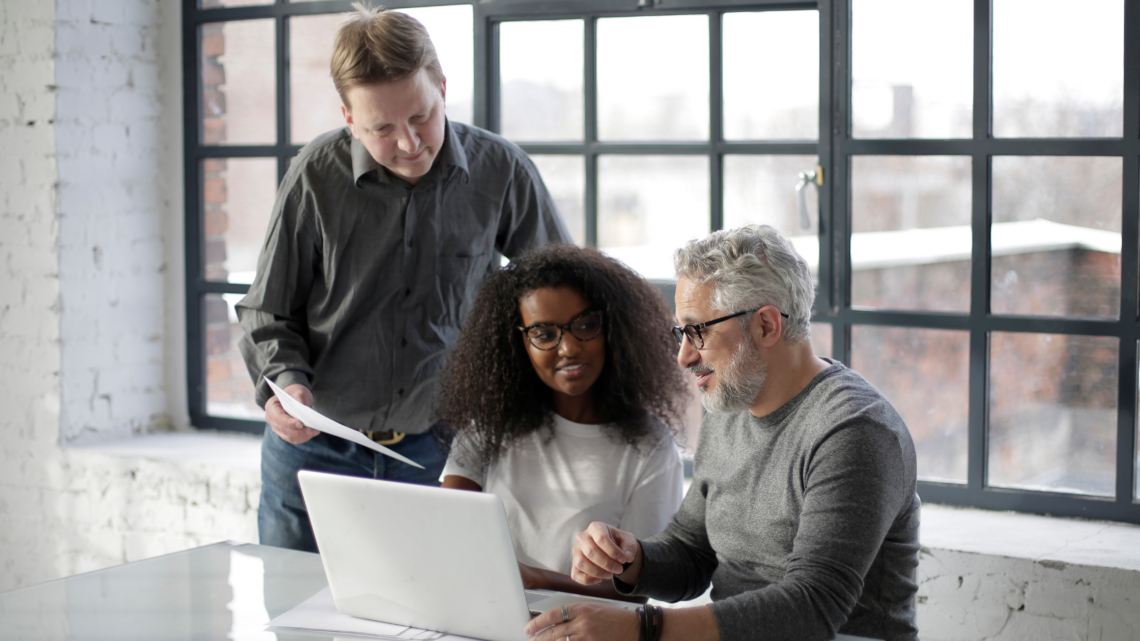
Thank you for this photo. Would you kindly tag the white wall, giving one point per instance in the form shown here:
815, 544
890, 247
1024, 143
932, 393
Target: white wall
91, 295
113, 127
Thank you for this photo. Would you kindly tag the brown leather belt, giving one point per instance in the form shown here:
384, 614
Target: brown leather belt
384, 437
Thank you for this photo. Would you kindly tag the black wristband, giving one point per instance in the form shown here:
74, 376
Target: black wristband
651, 620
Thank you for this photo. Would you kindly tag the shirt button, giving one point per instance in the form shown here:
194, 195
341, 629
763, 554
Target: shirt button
403, 342
400, 391
411, 242
408, 292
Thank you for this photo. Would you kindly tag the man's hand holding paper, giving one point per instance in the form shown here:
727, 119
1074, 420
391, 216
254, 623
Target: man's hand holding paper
311, 420
289, 428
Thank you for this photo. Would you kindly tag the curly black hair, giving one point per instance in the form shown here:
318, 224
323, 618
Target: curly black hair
489, 385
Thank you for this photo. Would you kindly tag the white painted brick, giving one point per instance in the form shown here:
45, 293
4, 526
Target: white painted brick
146, 545
1043, 628
108, 12
127, 41
109, 135
32, 200
128, 106
10, 104
74, 11
141, 12
1057, 596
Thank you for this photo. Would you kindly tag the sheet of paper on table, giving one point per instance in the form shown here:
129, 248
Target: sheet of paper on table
319, 614
314, 419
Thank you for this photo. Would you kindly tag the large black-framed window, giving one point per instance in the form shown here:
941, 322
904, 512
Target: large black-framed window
976, 251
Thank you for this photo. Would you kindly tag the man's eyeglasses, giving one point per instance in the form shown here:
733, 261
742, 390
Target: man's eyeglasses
694, 331
585, 327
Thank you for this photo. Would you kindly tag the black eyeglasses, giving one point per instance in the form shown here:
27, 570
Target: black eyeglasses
585, 327
694, 331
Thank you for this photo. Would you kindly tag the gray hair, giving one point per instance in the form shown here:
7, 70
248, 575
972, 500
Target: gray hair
750, 267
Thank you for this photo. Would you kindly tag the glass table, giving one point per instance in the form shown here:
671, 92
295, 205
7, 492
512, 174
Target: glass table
220, 591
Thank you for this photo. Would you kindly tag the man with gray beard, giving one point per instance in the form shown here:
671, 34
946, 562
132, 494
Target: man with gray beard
802, 513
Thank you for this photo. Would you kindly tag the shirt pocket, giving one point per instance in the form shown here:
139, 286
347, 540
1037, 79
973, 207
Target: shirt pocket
460, 277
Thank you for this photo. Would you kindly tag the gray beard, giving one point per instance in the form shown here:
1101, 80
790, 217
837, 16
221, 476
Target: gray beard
739, 382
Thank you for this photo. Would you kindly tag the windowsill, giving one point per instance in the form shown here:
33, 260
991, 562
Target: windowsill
1042, 539
1054, 542
221, 449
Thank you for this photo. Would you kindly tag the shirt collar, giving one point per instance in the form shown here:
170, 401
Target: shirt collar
451, 154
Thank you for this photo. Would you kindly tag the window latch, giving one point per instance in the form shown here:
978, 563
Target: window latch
815, 177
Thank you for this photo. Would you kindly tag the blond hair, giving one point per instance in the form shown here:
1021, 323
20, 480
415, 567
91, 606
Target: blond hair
377, 46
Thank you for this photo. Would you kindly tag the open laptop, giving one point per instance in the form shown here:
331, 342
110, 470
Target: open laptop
424, 557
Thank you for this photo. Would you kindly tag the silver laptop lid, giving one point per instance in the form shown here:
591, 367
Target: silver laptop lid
419, 556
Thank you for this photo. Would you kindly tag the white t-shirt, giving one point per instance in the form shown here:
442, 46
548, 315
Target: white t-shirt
553, 488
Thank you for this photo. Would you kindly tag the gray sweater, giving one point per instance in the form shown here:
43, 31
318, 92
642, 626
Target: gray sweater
805, 520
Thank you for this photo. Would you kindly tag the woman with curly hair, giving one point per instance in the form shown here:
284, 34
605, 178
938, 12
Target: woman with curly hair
560, 387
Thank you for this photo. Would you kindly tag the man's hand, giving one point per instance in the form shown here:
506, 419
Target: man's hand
290, 430
599, 553
587, 622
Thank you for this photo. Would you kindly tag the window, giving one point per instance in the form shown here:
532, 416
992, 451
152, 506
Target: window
963, 175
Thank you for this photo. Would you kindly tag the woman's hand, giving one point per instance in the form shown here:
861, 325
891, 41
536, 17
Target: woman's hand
601, 550
584, 622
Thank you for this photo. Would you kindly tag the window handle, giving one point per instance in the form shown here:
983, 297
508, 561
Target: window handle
816, 177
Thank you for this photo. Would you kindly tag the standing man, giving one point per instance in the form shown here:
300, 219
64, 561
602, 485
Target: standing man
802, 512
381, 235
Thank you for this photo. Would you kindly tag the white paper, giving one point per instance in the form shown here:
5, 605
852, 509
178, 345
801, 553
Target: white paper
314, 419
319, 613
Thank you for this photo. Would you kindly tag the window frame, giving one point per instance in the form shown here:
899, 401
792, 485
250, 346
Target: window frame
835, 149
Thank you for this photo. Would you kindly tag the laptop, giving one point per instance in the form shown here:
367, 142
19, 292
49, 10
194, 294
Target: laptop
424, 557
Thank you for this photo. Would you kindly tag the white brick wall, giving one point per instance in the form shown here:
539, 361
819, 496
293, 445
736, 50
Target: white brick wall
90, 304
965, 596
29, 284
109, 135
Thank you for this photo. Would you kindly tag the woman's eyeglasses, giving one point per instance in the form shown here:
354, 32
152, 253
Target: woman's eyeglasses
585, 327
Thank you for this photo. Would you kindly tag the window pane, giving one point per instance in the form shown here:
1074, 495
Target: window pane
649, 87
762, 189
926, 92
212, 4
313, 99
541, 76
1058, 68
229, 389
911, 240
925, 374
315, 103
1053, 412
1056, 236
238, 196
452, 31
565, 178
821, 339
648, 206
238, 83
771, 101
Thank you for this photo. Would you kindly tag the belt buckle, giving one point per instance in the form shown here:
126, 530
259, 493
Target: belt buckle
395, 437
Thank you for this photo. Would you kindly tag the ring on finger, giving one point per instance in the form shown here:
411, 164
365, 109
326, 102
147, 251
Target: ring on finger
566, 616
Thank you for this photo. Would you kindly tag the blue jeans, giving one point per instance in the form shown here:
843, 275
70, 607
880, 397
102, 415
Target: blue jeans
282, 520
